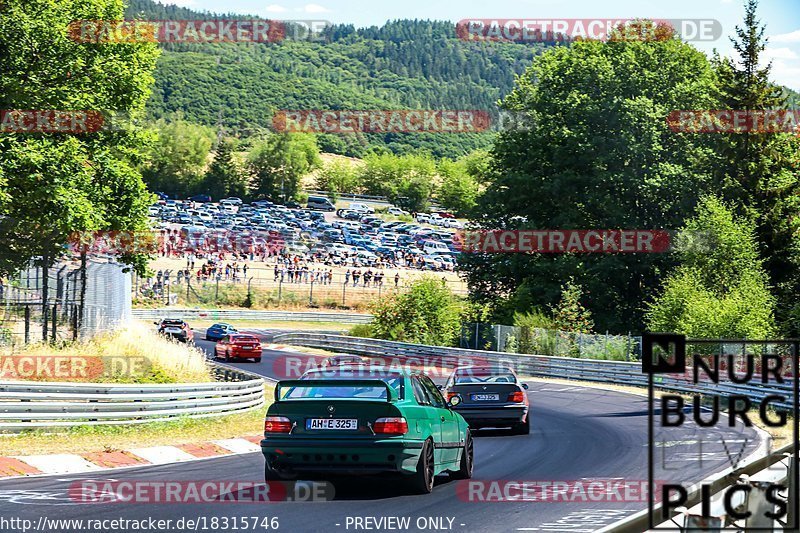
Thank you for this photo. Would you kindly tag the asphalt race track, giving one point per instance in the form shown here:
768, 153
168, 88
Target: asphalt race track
576, 433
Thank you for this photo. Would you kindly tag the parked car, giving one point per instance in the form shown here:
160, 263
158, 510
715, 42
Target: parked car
359, 207
491, 396
175, 328
396, 211
379, 422
200, 198
320, 203
238, 346
217, 331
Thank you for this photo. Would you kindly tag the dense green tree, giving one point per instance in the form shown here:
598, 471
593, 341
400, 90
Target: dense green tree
279, 163
178, 157
427, 313
78, 180
459, 190
595, 152
760, 172
338, 176
569, 314
226, 175
406, 180
720, 289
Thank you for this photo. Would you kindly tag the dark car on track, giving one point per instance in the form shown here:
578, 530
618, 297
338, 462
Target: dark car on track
238, 346
491, 396
175, 328
218, 331
354, 420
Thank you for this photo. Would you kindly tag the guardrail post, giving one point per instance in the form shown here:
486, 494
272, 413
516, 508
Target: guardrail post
27, 324
791, 517
55, 323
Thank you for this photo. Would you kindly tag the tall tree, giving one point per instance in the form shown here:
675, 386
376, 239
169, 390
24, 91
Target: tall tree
78, 180
178, 156
280, 162
760, 172
595, 153
225, 175
719, 290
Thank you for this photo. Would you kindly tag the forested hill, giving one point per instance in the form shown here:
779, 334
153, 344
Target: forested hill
412, 64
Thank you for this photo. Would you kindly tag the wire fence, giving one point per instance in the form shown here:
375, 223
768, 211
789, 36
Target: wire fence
266, 287
515, 339
61, 303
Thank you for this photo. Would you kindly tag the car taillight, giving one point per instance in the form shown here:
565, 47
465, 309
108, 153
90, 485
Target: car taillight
277, 424
391, 426
450, 395
517, 397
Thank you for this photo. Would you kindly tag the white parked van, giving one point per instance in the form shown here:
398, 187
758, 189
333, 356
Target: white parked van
361, 208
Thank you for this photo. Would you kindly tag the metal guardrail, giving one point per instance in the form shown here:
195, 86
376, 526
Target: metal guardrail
246, 314
751, 473
26, 405
616, 372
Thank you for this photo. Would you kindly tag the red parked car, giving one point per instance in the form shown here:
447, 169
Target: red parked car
238, 346
445, 214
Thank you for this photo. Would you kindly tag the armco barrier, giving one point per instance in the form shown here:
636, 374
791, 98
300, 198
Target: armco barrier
619, 373
247, 314
616, 372
28, 405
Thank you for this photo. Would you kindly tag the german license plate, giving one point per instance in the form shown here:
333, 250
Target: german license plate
247, 347
485, 397
332, 423
173, 330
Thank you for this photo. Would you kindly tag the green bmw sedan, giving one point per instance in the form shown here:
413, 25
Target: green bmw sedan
354, 420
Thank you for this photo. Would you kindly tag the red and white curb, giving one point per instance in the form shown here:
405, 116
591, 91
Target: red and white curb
31, 465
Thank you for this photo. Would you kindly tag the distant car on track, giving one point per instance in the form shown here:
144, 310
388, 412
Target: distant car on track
238, 346
358, 421
344, 358
175, 328
491, 396
218, 331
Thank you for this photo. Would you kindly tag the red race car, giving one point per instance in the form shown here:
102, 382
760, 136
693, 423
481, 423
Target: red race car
238, 346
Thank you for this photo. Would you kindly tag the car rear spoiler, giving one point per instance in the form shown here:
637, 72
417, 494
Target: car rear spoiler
391, 394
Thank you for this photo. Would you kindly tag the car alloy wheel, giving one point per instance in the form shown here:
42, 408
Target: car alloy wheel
422, 480
467, 460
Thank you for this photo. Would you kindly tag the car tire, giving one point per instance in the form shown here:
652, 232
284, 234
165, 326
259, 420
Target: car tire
466, 465
421, 481
257, 360
523, 428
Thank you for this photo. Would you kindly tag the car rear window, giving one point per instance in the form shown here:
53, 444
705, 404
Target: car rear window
327, 390
479, 375
359, 372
